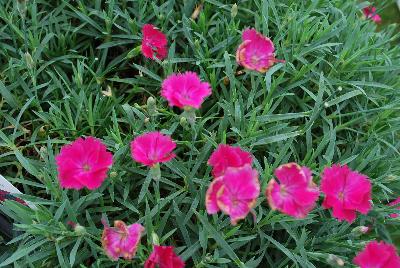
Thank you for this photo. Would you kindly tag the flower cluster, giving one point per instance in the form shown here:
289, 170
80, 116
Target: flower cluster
235, 186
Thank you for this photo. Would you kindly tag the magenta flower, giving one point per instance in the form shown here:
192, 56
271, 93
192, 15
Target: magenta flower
164, 257
83, 163
228, 156
346, 192
378, 255
295, 193
370, 13
234, 193
395, 203
185, 90
154, 42
152, 148
256, 52
121, 240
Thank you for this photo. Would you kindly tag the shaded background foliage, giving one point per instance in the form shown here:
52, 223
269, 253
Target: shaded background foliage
335, 100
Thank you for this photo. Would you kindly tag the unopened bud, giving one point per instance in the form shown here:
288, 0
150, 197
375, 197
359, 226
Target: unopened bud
146, 120
326, 104
360, 230
234, 10
29, 60
339, 88
183, 121
79, 229
113, 174
154, 237
335, 260
151, 106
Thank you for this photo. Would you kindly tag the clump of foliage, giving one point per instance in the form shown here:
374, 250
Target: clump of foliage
74, 68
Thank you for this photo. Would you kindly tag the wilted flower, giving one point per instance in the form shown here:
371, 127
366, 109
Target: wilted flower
228, 156
370, 13
152, 148
256, 52
346, 192
164, 257
121, 240
83, 163
185, 90
154, 42
378, 255
294, 192
234, 193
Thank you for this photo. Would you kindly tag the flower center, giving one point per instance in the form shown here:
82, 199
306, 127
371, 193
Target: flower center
341, 196
283, 190
255, 60
86, 167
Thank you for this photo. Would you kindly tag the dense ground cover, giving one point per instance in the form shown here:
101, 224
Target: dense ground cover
74, 68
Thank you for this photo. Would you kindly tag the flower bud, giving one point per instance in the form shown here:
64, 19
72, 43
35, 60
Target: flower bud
183, 121
79, 229
335, 260
234, 10
113, 174
151, 106
29, 60
360, 230
155, 239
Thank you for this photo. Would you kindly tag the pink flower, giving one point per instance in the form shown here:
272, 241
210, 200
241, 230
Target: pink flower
154, 42
164, 257
121, 240
256, 52
395, 203
83, 163
152, 148
346, 191
234, 193
185, 90
228, 156
295, 194
378, 255
370, 13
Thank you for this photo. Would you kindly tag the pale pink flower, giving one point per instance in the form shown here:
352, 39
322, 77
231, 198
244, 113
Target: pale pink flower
121, 240
152, 148
154, 42
395, 203
185, 90
228, 156
234, 193
294, 193
256, 52
370, 13
83, 163
164, 257
378, 255
346, 192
